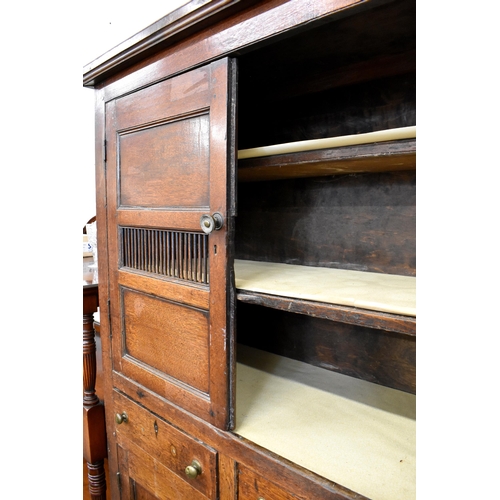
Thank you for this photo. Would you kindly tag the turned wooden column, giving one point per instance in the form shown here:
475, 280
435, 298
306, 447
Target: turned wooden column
94, 429
90, 398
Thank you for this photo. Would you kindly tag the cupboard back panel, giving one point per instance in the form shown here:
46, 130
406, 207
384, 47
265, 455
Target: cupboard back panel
363, 222
348, 76
380, 104
378, 356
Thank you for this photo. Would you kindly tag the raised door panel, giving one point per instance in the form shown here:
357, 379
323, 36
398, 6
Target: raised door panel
166, 164
170, 160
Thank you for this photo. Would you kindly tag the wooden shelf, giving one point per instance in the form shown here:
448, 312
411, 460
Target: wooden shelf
369, 299
361, 317
363, 435
349, 154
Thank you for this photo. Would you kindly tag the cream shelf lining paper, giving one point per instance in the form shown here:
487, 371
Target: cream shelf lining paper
374, 291
355, 433
393, 134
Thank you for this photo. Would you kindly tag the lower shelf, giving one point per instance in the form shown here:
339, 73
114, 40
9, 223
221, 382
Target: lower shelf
355, 433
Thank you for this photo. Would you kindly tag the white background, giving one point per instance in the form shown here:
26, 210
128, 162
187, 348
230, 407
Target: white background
113, 25
47, 195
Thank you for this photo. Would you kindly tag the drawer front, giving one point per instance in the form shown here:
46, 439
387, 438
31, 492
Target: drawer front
251, 486
144, 478
165, 445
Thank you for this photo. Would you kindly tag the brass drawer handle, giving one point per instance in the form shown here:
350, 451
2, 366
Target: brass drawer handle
121, 417
193, 470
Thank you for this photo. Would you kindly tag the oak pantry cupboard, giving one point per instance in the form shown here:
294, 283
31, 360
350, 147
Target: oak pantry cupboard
256, 165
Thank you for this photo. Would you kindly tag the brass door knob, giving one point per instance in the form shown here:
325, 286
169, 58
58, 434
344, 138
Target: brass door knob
209, 223
121, 417
193, 470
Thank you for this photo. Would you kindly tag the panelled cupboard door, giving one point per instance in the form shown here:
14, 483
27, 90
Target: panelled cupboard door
169, 175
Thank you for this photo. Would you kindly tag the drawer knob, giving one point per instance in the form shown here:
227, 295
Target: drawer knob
193, 470
121, 417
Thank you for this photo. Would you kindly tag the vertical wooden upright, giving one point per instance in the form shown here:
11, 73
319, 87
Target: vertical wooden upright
94, 431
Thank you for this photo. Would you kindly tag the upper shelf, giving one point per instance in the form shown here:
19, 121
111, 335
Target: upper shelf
380, 151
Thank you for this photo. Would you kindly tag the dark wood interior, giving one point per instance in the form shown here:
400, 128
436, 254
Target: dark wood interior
347, 208
347, 76
378, 356
364, 222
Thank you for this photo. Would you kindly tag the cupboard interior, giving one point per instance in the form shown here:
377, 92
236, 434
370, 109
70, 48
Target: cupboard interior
355, 433
351, 208
348, 75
